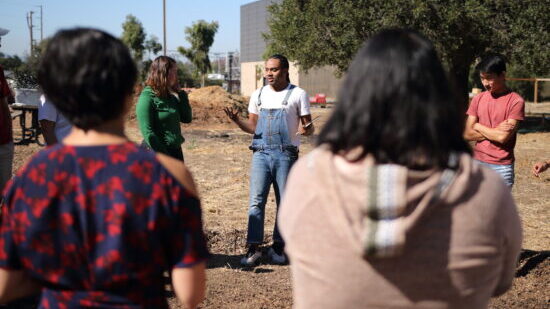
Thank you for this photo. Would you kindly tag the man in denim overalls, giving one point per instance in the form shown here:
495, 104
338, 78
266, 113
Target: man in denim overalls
275, 114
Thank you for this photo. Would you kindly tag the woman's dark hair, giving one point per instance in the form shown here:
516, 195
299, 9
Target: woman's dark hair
158, 78
397, 105
87, 74
492, 63
284, 63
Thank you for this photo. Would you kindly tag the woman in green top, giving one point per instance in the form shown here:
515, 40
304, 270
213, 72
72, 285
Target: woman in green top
161, 108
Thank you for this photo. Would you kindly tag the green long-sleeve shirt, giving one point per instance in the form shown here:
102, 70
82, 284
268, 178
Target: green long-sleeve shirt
159, 119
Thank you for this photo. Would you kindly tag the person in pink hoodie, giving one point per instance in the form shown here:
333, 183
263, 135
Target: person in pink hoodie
390, 210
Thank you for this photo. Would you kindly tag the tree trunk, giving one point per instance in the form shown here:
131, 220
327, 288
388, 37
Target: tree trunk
203, 80
460, 70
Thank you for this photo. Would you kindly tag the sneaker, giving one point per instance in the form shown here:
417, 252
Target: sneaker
252, 257
275, 257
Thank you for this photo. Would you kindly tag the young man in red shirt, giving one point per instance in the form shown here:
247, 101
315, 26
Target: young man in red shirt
493, 119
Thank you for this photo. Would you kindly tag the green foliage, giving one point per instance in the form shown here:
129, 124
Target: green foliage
317, 32
212, 82
10, 63
201, 36
185, 75
152, 45
25, 75
524, 88
133, 36
144, 69
25, 72
529, 34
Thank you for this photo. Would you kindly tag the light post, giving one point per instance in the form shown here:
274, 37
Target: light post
164, 26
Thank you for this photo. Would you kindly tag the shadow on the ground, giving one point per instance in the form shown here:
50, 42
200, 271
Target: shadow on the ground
224, 261
233, 262
529, 260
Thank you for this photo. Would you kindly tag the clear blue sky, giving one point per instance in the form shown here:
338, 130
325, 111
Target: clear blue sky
109, 15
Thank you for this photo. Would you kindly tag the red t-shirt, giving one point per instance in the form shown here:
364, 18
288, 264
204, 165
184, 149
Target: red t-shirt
491, 112
5, 116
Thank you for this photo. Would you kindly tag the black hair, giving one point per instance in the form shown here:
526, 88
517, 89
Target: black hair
87, 74
396, 104
284, 63
492, 63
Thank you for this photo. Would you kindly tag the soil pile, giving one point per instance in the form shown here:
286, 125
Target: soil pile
208, 104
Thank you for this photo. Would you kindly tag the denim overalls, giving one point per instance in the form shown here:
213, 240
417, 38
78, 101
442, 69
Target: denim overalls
273, 157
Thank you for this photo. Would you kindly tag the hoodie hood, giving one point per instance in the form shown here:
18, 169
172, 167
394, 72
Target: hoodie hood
386, 205
381, 203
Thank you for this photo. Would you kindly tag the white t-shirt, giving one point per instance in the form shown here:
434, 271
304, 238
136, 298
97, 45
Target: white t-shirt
297, 106
47, 111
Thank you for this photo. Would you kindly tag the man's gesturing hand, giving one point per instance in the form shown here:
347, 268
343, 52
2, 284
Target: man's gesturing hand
231, 113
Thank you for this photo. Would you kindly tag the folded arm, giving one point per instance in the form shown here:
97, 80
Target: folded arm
501, 134
470, 134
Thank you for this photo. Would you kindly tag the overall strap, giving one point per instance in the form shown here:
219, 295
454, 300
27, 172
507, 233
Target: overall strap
285, 101
260, 97
287, 96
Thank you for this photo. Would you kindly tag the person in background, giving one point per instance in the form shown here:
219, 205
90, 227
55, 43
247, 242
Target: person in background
493, 119
540, 167
278, 115
96, 221
53, 124
161, 107
6, 133
386, 216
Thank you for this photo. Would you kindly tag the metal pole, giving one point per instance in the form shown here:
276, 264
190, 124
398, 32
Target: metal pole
536, 95
164, 24
230, 81
41, 25
29, 23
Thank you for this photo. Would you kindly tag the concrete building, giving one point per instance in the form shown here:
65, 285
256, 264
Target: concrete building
254, 17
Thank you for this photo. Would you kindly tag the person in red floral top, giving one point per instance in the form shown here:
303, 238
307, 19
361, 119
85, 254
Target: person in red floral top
95, 221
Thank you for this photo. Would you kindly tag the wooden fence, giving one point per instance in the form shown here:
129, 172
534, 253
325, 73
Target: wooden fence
536, 80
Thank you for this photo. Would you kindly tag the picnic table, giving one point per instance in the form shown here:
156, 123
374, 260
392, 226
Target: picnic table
30, 132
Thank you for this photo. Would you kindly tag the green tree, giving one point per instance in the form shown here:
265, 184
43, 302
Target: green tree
25, 74
10, 63
152, 45
317, 32
133, 36
185, 75
201, 36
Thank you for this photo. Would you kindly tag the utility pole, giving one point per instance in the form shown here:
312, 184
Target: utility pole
164, 25
41, 25
29, 24
230, 81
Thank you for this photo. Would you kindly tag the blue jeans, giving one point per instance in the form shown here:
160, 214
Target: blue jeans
505, 171
269, 166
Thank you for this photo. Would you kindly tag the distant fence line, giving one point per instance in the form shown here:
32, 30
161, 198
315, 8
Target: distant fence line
536, 80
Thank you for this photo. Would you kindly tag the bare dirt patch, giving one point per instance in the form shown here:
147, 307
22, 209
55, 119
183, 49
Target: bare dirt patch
219, 159
208, 104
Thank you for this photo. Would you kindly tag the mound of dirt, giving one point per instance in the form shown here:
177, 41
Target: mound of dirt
208, 104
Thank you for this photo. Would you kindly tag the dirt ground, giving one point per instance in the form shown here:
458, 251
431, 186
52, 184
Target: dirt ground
219, 159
